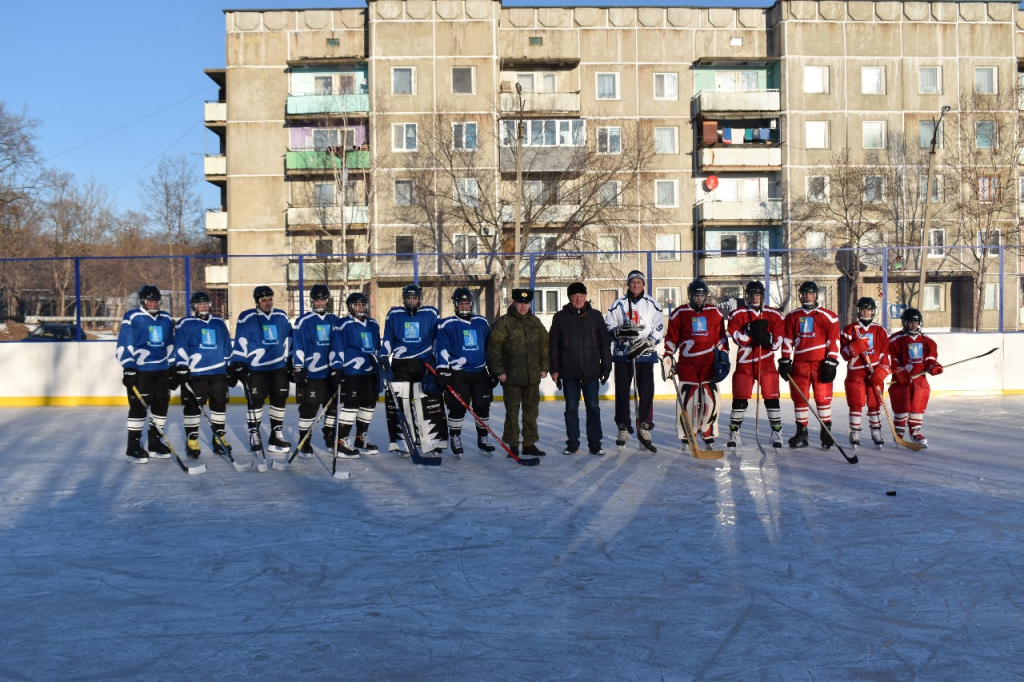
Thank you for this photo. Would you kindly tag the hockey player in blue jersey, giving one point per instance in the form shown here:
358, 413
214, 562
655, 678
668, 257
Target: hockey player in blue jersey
203, 346
145, 349
263, 347
311, 368
461, 349
408, 344
354, 347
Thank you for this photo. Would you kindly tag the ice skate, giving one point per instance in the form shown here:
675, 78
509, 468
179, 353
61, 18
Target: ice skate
135, 453
918, 437
156, 447
306, 451
643, 434
256, 446
346, 451
899, 434
776, 439
826, 436
876, 438
364, 446
799, 439
855, 438
455, 443
192, 449
620, 440
277, 443
400, 450
483, 442
734, 439
220, 444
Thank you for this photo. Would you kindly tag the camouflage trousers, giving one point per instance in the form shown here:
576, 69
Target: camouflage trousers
527, 399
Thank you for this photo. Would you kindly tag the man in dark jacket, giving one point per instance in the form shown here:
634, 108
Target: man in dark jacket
581, 356
518, 356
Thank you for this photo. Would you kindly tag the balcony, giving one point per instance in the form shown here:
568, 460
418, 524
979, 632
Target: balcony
723, 213
328, 215
743, 265
542, 159
215, 167
553, 213
311, 106
313, 270
739, 158
541, 103
215, 114
216, 275
216, 223
311, 162
759, 102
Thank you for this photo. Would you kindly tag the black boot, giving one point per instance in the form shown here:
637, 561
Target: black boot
484, 444
306, 451
799, 440
156, 446
514, 449
826, 437
533, 450
135, 452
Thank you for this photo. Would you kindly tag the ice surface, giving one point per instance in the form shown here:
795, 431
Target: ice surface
634, 566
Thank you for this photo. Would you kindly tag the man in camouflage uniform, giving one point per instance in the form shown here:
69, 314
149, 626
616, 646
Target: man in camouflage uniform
517, 354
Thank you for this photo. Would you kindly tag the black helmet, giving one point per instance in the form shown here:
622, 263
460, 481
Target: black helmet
697, 286
262, 291
149, 293
911, 315
866, 302
357, 297
808, 286
458, 296
319, 292
199, 297
409, 291
754, 287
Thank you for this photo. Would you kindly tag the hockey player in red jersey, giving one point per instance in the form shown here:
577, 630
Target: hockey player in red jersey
864, 344
911, 352
810, 356
697, 331
757, 331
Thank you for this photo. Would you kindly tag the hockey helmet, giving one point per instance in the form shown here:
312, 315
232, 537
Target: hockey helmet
697, 286
866, 303
354, 298
262, 291
754, 288
319, 294
808, 288
460, 295
149, 293
409, 292
911, 315
200, 297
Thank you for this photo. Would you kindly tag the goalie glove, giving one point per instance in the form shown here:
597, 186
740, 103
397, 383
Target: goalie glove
639, 347
625, 332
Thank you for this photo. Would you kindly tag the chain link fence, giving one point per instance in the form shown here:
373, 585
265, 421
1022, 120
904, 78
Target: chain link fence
965, 288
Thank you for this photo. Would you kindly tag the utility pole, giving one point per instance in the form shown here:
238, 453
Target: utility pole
927, 207
519, 190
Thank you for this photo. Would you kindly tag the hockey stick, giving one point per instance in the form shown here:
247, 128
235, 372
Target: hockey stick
757, 407
684, 418
528, 462
340, 475
200, 469
223, 446
403, 424
921, 374
281, 466
796, 389
261, 461
910, 445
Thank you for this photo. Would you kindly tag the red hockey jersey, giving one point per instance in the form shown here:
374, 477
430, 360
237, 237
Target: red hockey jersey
878, 344
695, 333
738, 321
810, 335
917, 353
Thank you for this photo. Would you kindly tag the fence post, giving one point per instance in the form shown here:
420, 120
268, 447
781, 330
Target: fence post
79, 336
415, 269
767, 277
650, 273
885, 287
533, 272
188, 285
302, 284
1002, 281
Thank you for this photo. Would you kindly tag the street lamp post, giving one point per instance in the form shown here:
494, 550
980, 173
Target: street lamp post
519, 190
927, 206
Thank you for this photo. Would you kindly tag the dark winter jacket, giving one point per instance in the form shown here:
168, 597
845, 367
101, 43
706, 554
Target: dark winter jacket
518, 348
580, 345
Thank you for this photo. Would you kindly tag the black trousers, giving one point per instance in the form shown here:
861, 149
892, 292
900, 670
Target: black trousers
624, 393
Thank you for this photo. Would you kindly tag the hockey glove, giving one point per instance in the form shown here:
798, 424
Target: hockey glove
626, 331
827, 370
444, 376
385, 364
721, 365
671, 365
604, 376
902, 376
183, 374
785, 369
935, 370
237, 371
558, 383
300, 377
857, 346
638, 348
291, 371
757, 330
131, 377
493, 379
878, 376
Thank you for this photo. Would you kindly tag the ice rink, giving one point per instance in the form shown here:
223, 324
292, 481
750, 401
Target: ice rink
634, 566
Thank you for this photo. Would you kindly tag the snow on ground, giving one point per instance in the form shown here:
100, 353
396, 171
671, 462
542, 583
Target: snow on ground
794, 566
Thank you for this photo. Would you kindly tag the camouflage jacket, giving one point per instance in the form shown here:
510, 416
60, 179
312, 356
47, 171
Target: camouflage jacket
518, 348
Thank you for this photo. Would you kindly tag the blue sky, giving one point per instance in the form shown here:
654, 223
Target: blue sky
130, 74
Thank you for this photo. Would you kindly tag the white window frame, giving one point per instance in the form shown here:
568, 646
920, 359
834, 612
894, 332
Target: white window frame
542, 296
537, 77
412, 80
995, 79
403, 181
934, 299
826, 129
403, 256
568, 132
614, 202
820, 80
931, 128
459, 141
938, 81
597, 85
983, 243
465, 246
542, 242
609, 248
466, 192
606, 131
666, 247
740, 252
816, 239
922, 182
404, 137
667, 298
869, 179
316, 194
472, 80
995, 134
668, 93
823, 198
675, 193
675, 140
936, 242
866, 77
865, 125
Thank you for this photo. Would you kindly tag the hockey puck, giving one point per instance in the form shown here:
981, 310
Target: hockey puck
890, 493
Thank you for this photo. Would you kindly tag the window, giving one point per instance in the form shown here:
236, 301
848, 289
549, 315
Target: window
608, 247
542, 243
929, 80
936, 242
352, 196
817, 189
403, 80
323, 85
667, 246
922, 182
666, 298
665, 193
608, 192
346, 84
465, 246
403, 192
988, 237
925, 130
986, 80
874, 189
608, 86
749, 81
463, 80
817, 134
609, 140
405, 247
665, 140
872, 80
323, 194
404, 137
1021, 189
537, 82
988, 188
464, 136
331, 138
736, 81
985, 134
545, 133
324, 247
874, 134
467, 192
932, 297
740, 244
816, 80
666, 86
548, 301
991, 296
816, 240
540, 192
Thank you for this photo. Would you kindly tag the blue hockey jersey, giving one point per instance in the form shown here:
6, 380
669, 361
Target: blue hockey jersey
354, 345
204, 346
410, 336
145, 342
313, 343
263, 340
462, 344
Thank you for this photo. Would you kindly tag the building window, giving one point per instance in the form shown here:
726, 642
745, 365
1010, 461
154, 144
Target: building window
736, 81
666, 86
986, 80
540, 192
936, 242
542, 243
985, 134
665, 141
667, 246
989, 238
324, 247
608, 192
991, 296
548, 301
405, 247
739, 245
463, 80
817, 134
403, 192
933, 297
666, 297
609, 140
874, 134
608, 248
464, 136
816, 80
467, 192
327, 139
323, 194
988, 188
929, 80
925, 129
874, 189
872, 80
817, 189
608, 86
537, 82
465, 246
404, 137
403, 80
545, 133
922, 182
665, 193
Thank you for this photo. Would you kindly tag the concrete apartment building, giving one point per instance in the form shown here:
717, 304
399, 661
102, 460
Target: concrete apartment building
396, 129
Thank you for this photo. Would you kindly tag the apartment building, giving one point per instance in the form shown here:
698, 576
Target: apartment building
635, 134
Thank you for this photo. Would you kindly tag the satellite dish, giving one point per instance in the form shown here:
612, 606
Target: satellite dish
711, 182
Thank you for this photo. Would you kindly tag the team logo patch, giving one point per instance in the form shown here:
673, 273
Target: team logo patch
916, 351
208, 338
870, 338
411, 331
700, 325
323, 333
469, 339
156, 334
806, 326
366, 339
269, 333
